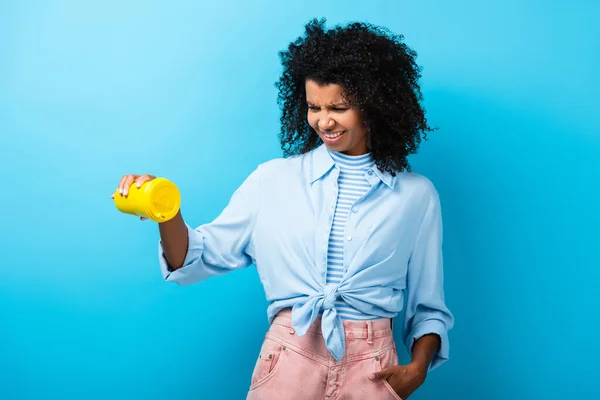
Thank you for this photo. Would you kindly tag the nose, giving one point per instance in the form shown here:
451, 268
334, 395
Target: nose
325, 123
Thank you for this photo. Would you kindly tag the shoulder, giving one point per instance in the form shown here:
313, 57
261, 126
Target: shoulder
277, 166
417, 184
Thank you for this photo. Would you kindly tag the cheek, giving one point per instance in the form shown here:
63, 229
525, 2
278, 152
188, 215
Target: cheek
312, 120
352, 121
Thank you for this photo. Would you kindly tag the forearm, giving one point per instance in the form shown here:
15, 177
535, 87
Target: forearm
424, 350
174, 238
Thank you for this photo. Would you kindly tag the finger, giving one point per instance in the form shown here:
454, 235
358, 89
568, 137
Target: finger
143, 178
143, 218
121, 182
381, 375
128, 181
112, 196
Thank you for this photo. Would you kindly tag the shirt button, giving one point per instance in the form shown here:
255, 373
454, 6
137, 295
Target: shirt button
348, 237
355, 210
370, 172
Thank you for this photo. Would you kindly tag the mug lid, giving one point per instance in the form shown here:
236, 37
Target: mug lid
164, 200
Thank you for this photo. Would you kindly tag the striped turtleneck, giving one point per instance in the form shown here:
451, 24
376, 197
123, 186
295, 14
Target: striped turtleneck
352, 185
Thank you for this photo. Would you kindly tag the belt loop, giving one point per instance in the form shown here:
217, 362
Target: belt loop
369, 332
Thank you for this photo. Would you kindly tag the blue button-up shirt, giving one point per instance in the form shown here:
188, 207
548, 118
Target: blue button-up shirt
280, 219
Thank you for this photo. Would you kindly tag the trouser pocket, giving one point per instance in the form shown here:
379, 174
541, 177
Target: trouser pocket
386, 359
268, 361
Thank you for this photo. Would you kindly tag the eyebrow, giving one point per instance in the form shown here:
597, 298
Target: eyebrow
332, 105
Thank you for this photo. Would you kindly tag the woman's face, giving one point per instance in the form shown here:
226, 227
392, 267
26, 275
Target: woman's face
339, 126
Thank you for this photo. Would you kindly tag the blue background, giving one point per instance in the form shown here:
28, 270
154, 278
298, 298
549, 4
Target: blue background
93, 90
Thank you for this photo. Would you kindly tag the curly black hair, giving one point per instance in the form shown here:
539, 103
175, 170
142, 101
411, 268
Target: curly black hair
379, 76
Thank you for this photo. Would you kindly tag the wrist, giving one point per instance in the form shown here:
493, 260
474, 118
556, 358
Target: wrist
420, 365
424, 350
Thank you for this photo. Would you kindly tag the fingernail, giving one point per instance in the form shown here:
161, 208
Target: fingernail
120, 191
371, 377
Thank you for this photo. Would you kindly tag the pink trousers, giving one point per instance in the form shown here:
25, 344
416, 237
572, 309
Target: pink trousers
292, 367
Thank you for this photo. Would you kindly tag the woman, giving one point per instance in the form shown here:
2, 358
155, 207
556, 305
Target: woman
341, 232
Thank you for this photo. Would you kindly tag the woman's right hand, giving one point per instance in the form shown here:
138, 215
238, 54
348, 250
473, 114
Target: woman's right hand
128, 180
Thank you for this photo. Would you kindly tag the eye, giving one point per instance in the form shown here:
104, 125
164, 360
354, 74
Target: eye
313, 108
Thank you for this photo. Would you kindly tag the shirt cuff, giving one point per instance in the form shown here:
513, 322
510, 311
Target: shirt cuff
188, 271
426, 327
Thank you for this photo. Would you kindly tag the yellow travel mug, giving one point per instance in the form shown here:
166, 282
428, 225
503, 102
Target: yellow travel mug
157, 199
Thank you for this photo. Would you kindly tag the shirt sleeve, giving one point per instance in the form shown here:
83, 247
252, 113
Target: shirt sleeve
222, 245
426, 311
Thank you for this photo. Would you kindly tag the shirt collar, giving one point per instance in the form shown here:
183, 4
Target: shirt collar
385, 177
321, 163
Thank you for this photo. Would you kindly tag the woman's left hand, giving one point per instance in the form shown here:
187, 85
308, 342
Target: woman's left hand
404, 379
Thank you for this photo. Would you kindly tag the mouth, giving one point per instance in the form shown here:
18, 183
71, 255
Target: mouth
332, 137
